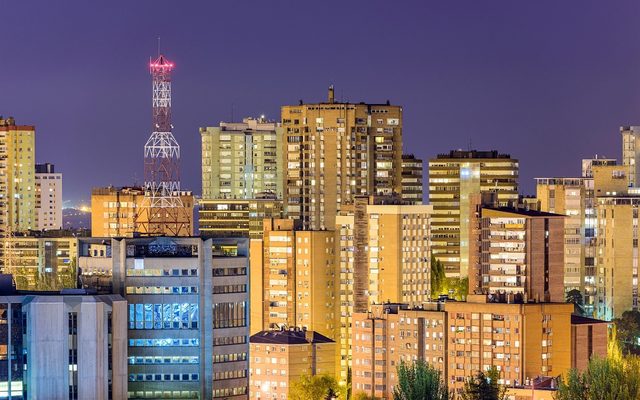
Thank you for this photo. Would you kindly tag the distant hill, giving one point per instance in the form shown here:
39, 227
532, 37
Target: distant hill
73, 218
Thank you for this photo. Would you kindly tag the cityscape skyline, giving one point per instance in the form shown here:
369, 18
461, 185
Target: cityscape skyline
461, 88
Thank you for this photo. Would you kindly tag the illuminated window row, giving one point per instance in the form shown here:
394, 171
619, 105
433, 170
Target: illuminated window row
164, 377
236, 391
164, 342
164, 360
220, 289
163, 316
235, 374
229, 340
164, 394
162, 289
163, 272
221, 358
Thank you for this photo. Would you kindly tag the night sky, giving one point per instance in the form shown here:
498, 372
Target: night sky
548, 81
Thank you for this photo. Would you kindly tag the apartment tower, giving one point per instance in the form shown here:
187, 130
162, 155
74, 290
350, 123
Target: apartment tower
48, 197
454, 178
335, 151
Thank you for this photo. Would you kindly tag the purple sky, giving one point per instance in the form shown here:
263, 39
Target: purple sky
549, 82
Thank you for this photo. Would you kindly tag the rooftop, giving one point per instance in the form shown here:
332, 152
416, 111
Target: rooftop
473, 154
579, 320
289, 336
523, 211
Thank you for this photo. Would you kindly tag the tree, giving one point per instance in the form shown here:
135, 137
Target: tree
484, 386
437, 277
615, 377
362, 396
628, 331
575, 297
319, 387
420, 381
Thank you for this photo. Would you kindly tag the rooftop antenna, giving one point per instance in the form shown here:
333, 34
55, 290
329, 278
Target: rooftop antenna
158, 46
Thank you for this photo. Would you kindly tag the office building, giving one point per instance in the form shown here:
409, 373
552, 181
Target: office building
411, 179
48, 197
242, 160
17, 176
335, 151
238, 218
297, 277
281, 357
41, 262
454, 178
188, 312
522, 254
116, 212
62, 345
524, 341
631, 153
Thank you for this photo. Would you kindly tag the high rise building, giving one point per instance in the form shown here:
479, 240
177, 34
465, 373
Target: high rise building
67, 345
523, 341
575, 198
240, 218
589, 163
297, 277
42, 262
48, 197
117, 212
631, 153
617, 263
188, 305
522, 254
335, 151
411, 179
454, 178
242, 160
281, 357
382, 254
17, 176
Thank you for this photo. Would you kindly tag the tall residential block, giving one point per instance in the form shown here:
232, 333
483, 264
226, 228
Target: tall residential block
188, 303
575, 198
617, 252
48, 197
523, 341
335, 151
631, 153
412, 171
65, 345
238, 218
279, 358
296, 277
242, 160
382, 254
117, 212
454, 179
17, 176
522, 254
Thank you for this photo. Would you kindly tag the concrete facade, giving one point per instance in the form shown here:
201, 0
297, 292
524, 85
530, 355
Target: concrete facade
48, 197
74, 346
188, 312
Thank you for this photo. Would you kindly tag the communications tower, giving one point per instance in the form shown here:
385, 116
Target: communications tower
162, 211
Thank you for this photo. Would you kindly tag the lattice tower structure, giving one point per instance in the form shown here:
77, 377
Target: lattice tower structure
162, 211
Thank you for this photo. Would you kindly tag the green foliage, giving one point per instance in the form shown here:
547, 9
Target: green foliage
441, 285
314, 387
437, 278
616, 377
628, 331
420, 381
484, 386
574, 296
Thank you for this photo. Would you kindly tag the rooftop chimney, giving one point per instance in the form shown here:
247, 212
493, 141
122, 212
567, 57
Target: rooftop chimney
332, 96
